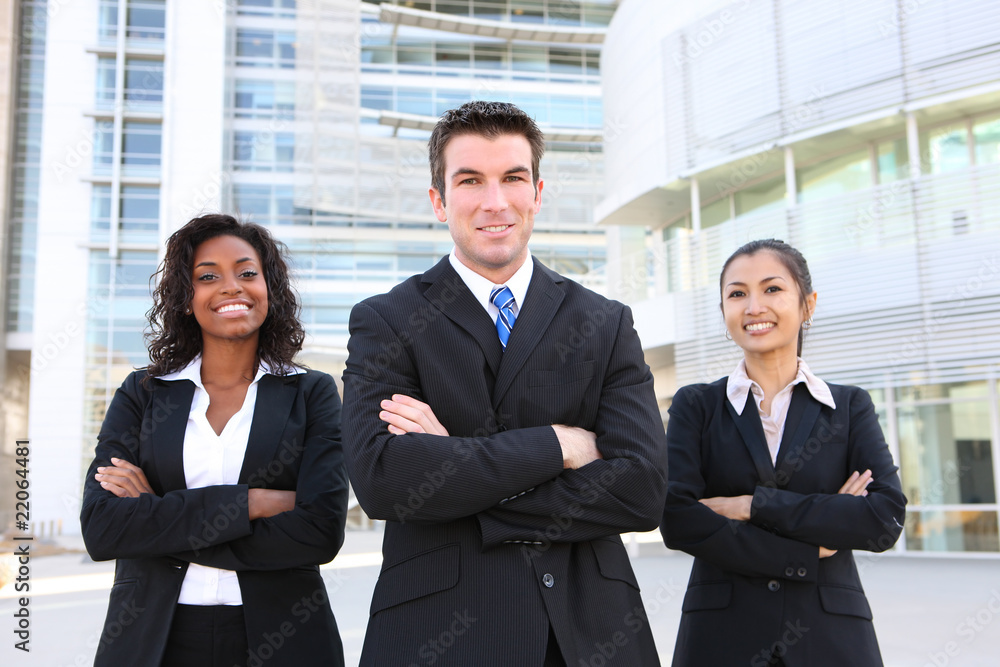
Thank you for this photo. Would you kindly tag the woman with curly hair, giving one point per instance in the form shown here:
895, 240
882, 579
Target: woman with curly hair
218, 481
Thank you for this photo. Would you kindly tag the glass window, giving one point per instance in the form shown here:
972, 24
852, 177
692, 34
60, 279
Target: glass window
946, 453
100, 213
952, 531
143, 83
764, 195
947, 148
565, 13
526, 11
491, 10
278, 8
376, 97
836, 176
892, 161
104, 137
105, 83
566, 61
146, 19
453, 55
264, 99
140, 213
415, 101
108, 20
943, 391
530, 58
986, 134
141, 145
715, 213
491, 56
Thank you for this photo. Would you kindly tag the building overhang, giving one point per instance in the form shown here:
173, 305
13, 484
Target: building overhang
397, 120
463, 25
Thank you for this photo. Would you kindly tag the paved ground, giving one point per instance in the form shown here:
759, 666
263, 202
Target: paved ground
929, 612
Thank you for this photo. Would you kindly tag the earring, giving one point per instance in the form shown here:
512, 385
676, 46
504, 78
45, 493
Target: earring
728, 337
187, 311
808, 323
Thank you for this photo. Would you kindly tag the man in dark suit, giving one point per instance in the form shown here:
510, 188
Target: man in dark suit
502, 420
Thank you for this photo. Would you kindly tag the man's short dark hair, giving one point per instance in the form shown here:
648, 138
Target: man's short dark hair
486, 119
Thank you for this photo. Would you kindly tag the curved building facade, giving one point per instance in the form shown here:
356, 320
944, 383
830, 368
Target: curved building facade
866, 134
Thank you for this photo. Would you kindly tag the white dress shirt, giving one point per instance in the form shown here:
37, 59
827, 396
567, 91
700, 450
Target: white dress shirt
739, 385
482, 287
212, 459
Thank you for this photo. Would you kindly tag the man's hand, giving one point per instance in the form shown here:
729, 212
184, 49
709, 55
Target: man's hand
579, 446
264, 503
857, 483
732, 507
123, 479
408, 415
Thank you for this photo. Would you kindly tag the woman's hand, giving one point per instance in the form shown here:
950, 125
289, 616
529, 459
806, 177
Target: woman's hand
408, 415
123, 479
733, 507
857, 483
264, 503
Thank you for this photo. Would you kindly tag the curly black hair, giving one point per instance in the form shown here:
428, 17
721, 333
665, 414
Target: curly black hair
174, 336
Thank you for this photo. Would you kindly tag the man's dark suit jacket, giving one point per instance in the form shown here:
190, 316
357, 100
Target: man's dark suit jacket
759, 587
488, 540
294, 444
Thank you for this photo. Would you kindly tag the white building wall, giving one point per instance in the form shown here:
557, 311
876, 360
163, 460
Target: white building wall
57, 358
194, 92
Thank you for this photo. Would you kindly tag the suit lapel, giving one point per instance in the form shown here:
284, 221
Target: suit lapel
540, 305
449, 294
275, 396
752, 431
802, 414
169, 417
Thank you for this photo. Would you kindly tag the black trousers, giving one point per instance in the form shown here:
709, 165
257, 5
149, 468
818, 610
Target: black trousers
206, 637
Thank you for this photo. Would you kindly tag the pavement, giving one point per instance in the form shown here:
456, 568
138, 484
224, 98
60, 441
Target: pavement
929, 611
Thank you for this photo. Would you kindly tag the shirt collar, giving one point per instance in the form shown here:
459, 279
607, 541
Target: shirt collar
192, 372
482, 287
739, 385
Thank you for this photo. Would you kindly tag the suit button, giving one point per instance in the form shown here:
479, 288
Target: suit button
789, 571
548, 580
802, 572
774, 585
501, 427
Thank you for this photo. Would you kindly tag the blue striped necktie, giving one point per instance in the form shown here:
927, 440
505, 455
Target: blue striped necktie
503, 299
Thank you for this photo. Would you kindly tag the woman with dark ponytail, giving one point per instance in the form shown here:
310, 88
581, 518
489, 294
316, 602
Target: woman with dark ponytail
775, 477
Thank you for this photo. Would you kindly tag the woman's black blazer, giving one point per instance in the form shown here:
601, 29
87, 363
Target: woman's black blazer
759, 589
294, 444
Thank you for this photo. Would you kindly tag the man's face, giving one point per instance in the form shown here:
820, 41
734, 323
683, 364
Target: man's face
491, 202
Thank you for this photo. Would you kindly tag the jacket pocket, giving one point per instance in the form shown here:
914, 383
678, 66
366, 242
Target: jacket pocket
421, 574
716, 595
612, 560
845, 601
568, 375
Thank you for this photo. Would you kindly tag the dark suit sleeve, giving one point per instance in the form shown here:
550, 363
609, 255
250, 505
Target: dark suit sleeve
420, 477
313, 532
842, 521
692, 527
624, 491
150, 525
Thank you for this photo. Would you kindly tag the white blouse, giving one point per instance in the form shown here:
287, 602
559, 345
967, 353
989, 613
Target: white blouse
739, 385
212, 459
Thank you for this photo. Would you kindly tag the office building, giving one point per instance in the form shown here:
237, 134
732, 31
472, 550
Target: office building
866, 134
